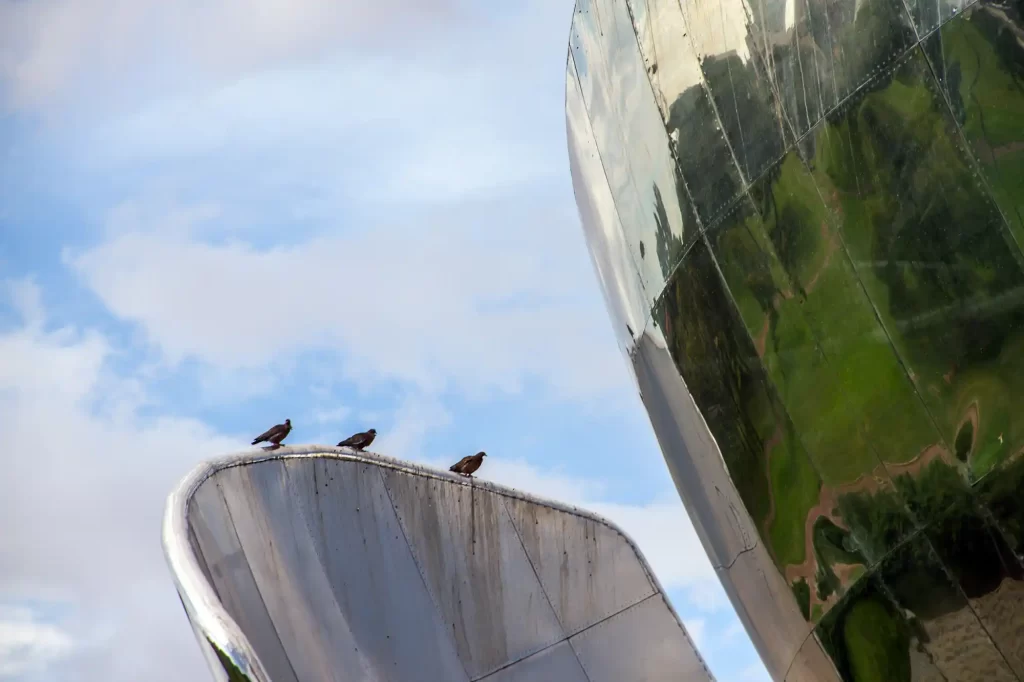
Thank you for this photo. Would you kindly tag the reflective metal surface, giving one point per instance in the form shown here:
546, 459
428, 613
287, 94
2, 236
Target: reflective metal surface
832, 354
324, 564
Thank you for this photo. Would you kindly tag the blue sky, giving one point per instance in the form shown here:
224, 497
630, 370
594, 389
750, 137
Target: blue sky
214, 216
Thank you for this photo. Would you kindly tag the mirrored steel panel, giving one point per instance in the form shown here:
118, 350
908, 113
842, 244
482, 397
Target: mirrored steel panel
317, 639
766, 607
555, 663
232, 578
372, 573
839, 354
319, 564
463, 536
630, 139
588, 570
616, 270
650, 625
978, 61
694, 459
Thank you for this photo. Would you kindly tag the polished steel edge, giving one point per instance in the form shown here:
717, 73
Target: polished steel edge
211, 620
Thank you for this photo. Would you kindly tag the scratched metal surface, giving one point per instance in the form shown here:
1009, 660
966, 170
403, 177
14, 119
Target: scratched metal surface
314, 563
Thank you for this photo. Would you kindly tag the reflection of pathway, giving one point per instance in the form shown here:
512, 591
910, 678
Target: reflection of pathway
828, 499
762, 338
1011, 148
914, 466
833, 245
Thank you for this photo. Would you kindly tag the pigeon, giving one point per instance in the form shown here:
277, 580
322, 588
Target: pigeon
359, 440
275, 434
467, 465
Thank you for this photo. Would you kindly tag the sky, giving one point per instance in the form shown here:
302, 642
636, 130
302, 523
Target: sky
217, 215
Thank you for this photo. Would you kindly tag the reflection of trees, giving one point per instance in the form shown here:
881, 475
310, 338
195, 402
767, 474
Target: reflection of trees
747, 111
795, 244
704, 161
911, 586
896, 155
832, 545
668, 246
877, 521
712, 352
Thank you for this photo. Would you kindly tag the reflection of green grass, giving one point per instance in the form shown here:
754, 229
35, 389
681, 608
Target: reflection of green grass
794, 489
889, 201
993, 102
986, 459
984, 388
827, 356
876, 643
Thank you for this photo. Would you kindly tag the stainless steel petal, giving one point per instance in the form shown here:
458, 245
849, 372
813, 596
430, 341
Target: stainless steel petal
331, 565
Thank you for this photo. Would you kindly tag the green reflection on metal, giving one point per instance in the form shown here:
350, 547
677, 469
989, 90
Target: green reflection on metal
232, 670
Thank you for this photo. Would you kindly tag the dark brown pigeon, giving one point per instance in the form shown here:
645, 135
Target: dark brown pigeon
359, 440
275, 434
467, 465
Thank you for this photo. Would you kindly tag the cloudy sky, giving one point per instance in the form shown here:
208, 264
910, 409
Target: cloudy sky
215, 215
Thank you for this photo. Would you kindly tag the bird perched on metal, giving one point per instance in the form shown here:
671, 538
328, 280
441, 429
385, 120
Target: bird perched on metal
275, 434
360, 440
467, 465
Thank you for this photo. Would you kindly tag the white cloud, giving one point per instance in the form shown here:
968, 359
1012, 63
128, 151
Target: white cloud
50, 49
697, 629
26, 298
755, 672
331, 415
27, 644
81, 504
447, 304
91, 475
415, 416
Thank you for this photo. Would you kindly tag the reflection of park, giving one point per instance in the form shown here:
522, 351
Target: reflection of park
852, 328
933, 588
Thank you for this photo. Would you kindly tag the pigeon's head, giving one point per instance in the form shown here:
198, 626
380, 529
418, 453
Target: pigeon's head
287, 422
372, 432
481, 454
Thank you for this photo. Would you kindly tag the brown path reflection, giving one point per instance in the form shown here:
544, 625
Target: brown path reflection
827, 507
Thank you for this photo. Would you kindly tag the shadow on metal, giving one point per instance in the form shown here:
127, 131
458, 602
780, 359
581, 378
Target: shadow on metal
320, 563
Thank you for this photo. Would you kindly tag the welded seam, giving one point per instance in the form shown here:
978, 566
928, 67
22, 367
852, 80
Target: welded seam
547, 597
